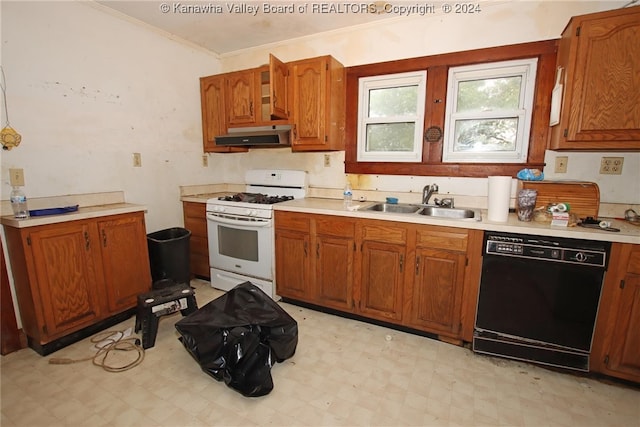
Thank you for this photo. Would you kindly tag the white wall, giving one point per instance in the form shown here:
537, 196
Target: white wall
499, 23
86, 89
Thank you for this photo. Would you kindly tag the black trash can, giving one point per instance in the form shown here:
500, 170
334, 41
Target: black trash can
169, 256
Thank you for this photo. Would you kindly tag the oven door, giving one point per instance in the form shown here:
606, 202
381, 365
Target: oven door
241, 245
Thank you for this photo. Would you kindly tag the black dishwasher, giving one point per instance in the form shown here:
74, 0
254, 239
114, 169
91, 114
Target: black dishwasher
539, 297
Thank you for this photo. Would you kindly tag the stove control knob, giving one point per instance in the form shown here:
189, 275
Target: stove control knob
218, 209
251, 212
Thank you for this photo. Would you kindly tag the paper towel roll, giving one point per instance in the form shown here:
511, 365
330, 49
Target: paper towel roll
499, 194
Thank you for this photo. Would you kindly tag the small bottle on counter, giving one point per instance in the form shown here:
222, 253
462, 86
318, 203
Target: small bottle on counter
347, 196
19, 203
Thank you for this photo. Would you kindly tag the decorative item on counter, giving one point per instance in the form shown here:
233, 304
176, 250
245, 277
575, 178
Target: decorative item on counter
526, 203
530, 175
392, 200
499, 193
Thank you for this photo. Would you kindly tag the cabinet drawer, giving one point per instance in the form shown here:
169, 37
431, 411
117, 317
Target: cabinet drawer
384, 233
335, 227
634, 262
194, 210
442, 239
292, 221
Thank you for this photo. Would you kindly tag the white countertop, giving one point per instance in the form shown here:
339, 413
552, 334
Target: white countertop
85, 212
629, 233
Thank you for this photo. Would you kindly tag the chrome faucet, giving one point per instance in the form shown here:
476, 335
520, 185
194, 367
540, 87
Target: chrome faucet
447, 202
427, 192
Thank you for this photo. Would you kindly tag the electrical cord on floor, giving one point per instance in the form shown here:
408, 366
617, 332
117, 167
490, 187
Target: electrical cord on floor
107, 344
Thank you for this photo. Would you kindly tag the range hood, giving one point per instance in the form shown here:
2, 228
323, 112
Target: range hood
257, 136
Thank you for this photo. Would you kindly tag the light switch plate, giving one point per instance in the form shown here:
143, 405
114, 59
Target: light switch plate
561, 164
137, 160
16, 177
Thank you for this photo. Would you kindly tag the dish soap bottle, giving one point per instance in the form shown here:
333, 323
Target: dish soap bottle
347, 195
19, 203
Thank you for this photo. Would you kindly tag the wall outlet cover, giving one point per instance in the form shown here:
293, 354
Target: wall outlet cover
611, 165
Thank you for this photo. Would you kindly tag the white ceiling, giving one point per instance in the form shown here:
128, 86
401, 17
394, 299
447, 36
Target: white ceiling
251, 24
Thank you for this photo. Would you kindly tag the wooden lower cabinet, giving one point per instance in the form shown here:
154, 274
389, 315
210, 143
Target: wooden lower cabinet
334, 270
616, 341
314, 259
195, 220
383, 259
72, 275
417, 276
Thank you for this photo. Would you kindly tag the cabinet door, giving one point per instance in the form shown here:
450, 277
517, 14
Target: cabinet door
278, 74
309, 86
624, 353
382, 282
68, 279
125, 260
334, 271
436, 296
195, 220
241, 96
293, 264
601, 53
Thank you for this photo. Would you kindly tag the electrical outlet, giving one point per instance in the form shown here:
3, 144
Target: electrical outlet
327, 160
561, 164
16, 177
205, 161
611, 165
137, 160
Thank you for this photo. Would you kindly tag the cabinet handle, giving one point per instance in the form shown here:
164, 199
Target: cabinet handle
417, 265
305, 249
275, 98
87, 242
251, 108
318, 250
295, 132
401, 262
104, 239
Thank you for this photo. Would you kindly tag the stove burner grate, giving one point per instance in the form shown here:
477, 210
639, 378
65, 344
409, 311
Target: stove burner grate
258, 198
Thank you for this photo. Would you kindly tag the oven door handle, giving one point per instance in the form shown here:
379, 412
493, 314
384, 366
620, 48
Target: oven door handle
239, 222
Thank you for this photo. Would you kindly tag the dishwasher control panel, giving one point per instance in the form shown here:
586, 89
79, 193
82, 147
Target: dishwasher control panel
547, 248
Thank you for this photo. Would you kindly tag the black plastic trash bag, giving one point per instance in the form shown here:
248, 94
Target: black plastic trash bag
237, 337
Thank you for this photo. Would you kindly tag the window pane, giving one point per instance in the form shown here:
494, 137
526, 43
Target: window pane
485, 135
390, 102
390, 137
489, 94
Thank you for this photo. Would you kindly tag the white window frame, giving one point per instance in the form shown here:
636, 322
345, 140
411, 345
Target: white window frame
526, 68
390, 81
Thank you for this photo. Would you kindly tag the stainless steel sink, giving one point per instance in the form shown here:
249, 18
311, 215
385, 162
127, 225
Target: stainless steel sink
452, 213
426, 210
393, 208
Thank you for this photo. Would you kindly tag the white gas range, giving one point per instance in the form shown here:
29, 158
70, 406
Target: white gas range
240, 228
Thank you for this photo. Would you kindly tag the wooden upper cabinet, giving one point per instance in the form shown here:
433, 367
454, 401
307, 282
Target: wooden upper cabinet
214, 116
599, 56
241, 97
317, 104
